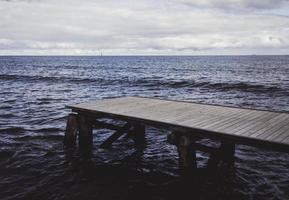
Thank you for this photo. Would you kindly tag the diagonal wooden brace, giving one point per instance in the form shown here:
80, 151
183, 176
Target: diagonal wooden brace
107, 143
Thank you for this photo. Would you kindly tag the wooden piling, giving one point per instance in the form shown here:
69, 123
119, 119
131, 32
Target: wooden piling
186, 150
187, 155
227, 152
71, 131
139, 135
85, 132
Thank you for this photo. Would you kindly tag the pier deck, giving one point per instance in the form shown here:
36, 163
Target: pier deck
187, 121
240, 125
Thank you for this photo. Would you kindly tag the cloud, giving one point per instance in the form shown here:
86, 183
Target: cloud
236, 4
142, 27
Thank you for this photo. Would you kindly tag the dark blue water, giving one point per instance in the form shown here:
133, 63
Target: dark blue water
34, 91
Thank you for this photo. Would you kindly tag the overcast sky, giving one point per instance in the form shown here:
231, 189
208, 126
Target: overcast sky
144, 27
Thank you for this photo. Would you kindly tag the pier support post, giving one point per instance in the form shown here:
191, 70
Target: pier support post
227, 151
85, 132
187, 152
187, 155
71, 131
139, 135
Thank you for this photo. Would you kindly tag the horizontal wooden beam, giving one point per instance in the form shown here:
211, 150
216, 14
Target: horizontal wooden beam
206, 149
100, 124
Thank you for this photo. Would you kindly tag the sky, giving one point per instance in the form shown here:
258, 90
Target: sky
144, 27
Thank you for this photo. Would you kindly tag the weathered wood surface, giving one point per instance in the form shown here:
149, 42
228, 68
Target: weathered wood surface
248, 126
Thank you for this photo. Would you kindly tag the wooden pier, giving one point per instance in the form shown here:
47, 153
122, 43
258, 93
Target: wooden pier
187, 122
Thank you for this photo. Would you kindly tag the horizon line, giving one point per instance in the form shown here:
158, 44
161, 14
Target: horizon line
136, 55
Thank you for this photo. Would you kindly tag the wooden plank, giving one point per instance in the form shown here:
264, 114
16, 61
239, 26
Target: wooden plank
250, 120
271, 125
167, 112
273, 129
193, 120
159, 109
257, 123
107, 104
202, 120
221, 115
260, 127
238, 124
283, 133
228, 122
286, 140
118, 106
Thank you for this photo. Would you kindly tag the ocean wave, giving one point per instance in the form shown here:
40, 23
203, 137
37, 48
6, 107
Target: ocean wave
40, 137
219, 86
48, 130
156, 82
21, 129
12, 130
246, 87
8, 115
47, 78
